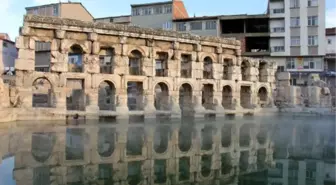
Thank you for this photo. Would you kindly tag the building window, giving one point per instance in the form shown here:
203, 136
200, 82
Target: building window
55, 10
309, 63
278, 10
278, 49
35, 11
294, 3
136, 11
295, 41
290, 64
167, 26
278, 30
312, 20
295, 21
312, 3
158, 10
4, 44
181, 26
312, 40
210, 25
196, 25
147, 11
329, 41
168, 9
310, 174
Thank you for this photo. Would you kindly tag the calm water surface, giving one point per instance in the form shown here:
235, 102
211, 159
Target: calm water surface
277, 150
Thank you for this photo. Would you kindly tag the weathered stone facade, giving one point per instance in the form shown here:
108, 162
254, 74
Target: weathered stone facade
182, 72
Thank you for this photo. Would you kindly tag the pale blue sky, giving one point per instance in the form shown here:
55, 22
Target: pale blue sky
12, 11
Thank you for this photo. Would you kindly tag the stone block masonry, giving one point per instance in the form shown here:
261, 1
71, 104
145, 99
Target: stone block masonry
105, 69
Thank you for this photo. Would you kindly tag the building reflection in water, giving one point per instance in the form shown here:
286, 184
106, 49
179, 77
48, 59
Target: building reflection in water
203, 153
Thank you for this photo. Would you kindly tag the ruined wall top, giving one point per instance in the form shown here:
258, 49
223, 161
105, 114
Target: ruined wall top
62, 23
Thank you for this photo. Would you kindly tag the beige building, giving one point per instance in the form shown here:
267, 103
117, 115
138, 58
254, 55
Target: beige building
70, 10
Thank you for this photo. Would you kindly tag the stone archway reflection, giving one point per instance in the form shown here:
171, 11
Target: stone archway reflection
227, 97
135, 140
185, 97
226, 135
161, 139
207, 140
185, 137
42, 146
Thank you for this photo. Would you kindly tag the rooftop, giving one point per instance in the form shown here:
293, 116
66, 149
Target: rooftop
224, 17
112, 17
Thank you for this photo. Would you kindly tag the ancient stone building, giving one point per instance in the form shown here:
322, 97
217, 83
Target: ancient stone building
104, 69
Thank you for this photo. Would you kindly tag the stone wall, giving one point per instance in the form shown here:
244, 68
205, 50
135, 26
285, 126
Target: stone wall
90, 38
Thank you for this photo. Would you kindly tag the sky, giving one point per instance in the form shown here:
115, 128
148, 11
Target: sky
12, 11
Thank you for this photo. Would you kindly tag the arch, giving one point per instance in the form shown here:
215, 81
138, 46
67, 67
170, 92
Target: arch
227, 97
135, 58
161, 139
106, 141
262, 95
185, 138
161, 96
245, 65
75, 58
42, 93
207, 68
42, 146
245, 135
137, 49
186, 97
106, 96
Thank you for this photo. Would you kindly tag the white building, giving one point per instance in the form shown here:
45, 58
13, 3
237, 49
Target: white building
8, 53
298, 36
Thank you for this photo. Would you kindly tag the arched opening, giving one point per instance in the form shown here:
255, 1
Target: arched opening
227, 97
186, 66
226, 165
75, 59
206, 165
227, 71
135, 140
161, 64
106, 60
76, 97
207, 68
245, 70
207, 140
245, 96
185, 137
161, 139
106, 141
43, 95
207, 97
245, 135
135, 96
262, 95
162, 97
226, 135
106, 96
185, 98
42, 146
262, 71
135, 63
262, 135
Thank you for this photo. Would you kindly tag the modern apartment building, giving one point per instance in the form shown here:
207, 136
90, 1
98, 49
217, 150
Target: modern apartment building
330, 58
71, 10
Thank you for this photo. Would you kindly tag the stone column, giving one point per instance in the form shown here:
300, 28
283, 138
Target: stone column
174, 103
92, 99
121, 106
218, 102
149, 103
197, 100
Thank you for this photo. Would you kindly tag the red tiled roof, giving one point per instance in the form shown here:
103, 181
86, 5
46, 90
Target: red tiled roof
331, 31
179, 10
